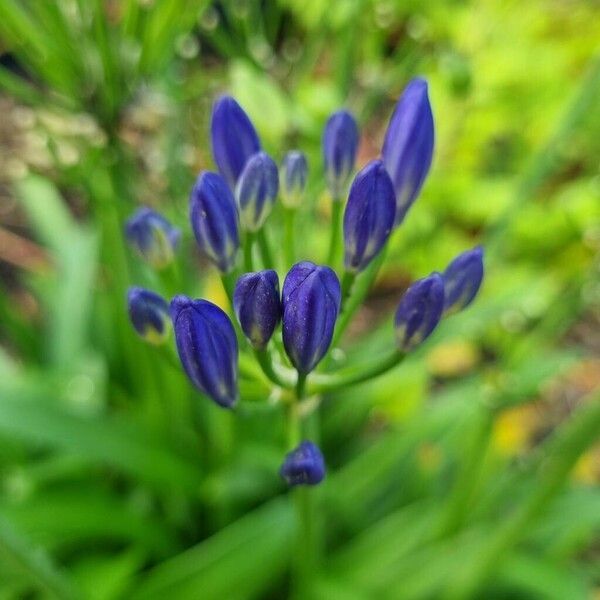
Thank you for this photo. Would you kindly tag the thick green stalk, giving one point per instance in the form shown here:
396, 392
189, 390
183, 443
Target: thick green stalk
348, 280
562, 452
334, 240
356, 374
248, 243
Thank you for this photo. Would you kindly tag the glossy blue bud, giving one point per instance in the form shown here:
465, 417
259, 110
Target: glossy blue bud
340, 145
152, 237
462, 280
234, 139
149, 315
304, 465
214, 219
207, 348
257, 306
256, 191
293, 175
311, 302
408, 145
369, 216
419, 312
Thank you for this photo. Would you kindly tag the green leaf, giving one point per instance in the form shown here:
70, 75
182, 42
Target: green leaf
240, 561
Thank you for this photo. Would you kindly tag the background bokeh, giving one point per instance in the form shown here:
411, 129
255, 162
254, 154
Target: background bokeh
471, 471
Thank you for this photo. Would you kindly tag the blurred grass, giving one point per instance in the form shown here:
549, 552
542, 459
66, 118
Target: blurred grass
458, 474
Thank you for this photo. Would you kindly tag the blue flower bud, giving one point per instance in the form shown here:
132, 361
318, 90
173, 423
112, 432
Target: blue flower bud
294, 172
257, 306
340, 145
207, 348
419, 312
234, 139
408, 145
149, 315
256, 191
214, 219
311, 301
304, 465
152, 237
369, 216
462, 280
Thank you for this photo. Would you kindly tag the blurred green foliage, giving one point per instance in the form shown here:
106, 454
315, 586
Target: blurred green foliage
468, 472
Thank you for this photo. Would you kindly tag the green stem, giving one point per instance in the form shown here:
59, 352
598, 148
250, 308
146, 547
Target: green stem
348, 280
334, 240
560, 456
289, 249
271, 371
356, 374
359, 292
265, 249
248, 243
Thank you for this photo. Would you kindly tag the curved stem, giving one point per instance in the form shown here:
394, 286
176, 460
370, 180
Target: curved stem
356, 374
334, 240
276, 375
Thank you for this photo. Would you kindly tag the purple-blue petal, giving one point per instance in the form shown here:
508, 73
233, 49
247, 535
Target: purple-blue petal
304, 465
408, 145
369, 216
234, 139
148, 313
462, 280
340, 145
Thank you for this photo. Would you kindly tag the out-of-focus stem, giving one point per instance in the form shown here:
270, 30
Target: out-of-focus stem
265, 249
289, 249
334, 240
271, 371
248, 243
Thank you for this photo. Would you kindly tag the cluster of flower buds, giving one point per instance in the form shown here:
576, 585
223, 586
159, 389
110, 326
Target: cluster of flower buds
227, 208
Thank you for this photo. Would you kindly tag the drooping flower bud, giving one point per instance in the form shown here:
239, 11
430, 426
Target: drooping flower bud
152, 237
257, 306
304, 465
234, 139
369, 216
419, 312
462, 280
256, 190
408, 145
149, 315
207, 348
311, 302
340, 145
293, 173
214, 219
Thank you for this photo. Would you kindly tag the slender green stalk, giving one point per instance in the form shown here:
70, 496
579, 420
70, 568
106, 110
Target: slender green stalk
289, 246
265, 249
276, 375
562, 452
248, 243
334, 239
359, 292
356, 374
347, 284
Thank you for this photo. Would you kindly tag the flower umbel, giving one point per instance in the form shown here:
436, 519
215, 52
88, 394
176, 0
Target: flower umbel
419, 312
207, 348
152, 237
149, 315
340, 145
214, 219
304, 465
257, 306
369, 216
408, 145
311, 302
256, 191
462, 280
234, 139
